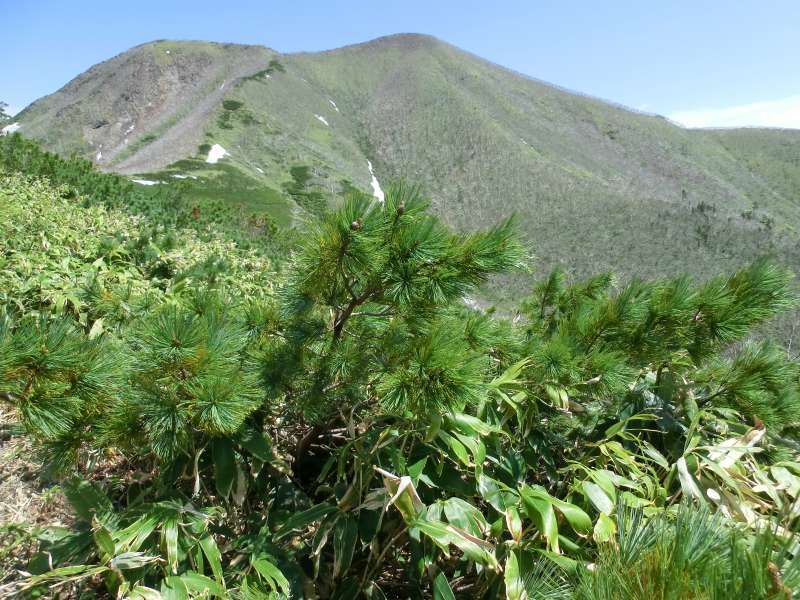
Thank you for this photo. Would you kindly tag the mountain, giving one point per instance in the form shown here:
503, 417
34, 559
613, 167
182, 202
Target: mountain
594, 185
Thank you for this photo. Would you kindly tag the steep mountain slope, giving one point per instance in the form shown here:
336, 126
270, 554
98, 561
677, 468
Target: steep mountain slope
156, 96
595, 186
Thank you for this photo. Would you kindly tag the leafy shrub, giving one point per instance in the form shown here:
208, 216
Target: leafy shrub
349, 428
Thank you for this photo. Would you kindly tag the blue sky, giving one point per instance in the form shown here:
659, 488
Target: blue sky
702, 62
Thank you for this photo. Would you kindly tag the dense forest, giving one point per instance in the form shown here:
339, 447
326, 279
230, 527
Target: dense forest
235, 412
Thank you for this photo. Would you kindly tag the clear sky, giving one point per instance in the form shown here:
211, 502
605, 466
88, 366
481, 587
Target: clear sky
701, 62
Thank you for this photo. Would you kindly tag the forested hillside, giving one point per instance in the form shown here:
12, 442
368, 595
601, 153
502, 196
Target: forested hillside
595, 186
228, 411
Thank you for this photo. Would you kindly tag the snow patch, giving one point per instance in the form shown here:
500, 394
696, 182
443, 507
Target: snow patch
216, 153
178, 176
167, 51
131, 128
524, 142
333, 104
145, 182
99, 156
376, 186
322, 119
9, 129
260, 170
222, 86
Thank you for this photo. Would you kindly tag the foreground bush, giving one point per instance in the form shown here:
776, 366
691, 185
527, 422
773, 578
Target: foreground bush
361, 433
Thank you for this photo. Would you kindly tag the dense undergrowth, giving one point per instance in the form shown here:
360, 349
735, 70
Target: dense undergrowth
345, 427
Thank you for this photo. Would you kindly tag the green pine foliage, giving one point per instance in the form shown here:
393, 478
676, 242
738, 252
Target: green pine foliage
346, 426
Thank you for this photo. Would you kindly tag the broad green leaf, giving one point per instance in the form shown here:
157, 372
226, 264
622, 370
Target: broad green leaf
473, 548
515, 585
633, 501
476, 448
495, 493
603, 479
104, 541
68, 572
598, 497
651, 452
169, 532
141, 592
465, 516
134, 535
442, 589
473, 425
415, 470
345, 537
271, 574
434, 427
511, 374
541, 512
616, 428
303, 519
403, 494
784, 477
256, 444
131, 560
224, 465
688, 484
321, 538
575, 516
457, 447
213, 556
514, 523
567, 564
605, 529
173, 588
195, 582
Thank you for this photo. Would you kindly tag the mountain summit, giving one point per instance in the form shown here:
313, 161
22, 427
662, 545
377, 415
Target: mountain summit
595, 186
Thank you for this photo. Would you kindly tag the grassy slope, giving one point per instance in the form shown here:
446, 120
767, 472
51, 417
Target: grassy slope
595, 187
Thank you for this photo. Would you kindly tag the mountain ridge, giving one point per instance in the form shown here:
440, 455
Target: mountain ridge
597, 185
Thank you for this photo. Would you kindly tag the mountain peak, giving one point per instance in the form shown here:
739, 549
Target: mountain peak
296, 129
404, 41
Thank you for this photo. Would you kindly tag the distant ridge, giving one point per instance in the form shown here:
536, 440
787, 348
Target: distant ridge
596, 185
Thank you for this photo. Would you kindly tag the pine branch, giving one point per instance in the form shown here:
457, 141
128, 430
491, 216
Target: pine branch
382, 313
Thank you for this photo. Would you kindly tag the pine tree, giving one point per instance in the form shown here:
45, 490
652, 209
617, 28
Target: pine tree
366, 311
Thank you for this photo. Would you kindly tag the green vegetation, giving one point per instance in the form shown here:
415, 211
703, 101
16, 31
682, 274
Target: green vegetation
4, 116
225, 200
595, 187
232, 104
298, 189
339, 424
275, 65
